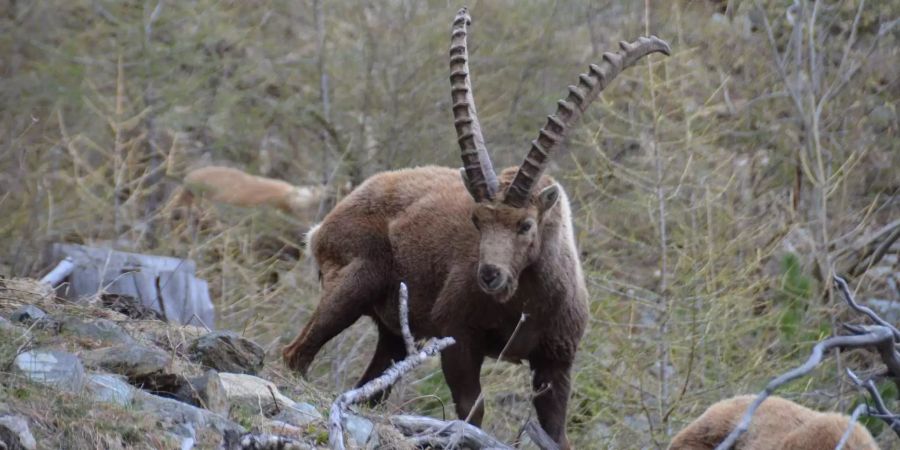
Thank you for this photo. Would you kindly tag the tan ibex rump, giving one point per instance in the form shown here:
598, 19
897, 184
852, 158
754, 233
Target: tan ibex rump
778, 424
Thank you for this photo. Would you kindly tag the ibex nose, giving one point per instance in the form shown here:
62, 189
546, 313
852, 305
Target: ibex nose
491, 277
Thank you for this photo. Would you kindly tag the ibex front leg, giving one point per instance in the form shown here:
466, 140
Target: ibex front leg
551, 384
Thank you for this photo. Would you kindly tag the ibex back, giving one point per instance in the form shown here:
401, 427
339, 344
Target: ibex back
476, 250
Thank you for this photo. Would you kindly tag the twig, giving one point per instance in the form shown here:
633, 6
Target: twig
368, 390
845, 290
876, 336
883, 413
60, 272
861, 408
539, 436
404, 320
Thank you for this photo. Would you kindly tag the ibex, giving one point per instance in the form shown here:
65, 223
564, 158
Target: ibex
234, 187
778, 424
476, 250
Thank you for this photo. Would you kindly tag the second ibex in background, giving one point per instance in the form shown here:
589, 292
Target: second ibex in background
476, 250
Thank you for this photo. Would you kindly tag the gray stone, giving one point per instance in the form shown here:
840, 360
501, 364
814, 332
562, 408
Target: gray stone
359, 428
299, 414
27, 314
14, 433
253, 393
55, 368
179, 412
109, 388
206, 391
101, 331
225, 351
134, 361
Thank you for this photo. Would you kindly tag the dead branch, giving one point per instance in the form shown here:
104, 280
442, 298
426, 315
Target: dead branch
427, 432
539, 436
404, 320
368, 390
861, 408
848, 296
881, 410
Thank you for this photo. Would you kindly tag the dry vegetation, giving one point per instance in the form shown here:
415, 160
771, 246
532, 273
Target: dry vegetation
713, 190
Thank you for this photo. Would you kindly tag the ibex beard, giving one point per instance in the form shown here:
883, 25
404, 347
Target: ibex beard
477, 251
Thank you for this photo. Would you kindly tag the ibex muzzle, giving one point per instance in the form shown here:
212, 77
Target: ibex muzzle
477, 255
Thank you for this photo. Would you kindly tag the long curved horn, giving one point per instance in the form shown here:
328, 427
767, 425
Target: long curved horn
477, 163
568, 111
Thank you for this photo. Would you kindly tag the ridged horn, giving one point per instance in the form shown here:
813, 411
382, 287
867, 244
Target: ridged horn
568, 111
476, 161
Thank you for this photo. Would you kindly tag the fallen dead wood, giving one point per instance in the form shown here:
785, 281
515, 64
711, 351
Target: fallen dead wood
426, 432
881, 338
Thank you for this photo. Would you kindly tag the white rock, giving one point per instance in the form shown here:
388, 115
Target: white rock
59, 369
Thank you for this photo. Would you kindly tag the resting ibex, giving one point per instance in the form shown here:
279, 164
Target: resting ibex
476, 250
778, 424
234, 187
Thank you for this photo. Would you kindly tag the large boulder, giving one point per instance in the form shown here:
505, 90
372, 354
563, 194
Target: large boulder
174, 411
206, 391
53, 368
225, 351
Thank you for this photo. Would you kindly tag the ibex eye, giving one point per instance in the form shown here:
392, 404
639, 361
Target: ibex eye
525, 226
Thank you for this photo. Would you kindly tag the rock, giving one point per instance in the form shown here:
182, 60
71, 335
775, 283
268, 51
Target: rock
206, 391
359, 429
14, 433
100, 331
55, 368
110, 388
253, 393
299, 414
178, 412
136, 362
225, 351
27, 314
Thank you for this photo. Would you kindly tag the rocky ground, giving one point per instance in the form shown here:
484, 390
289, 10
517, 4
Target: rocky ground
107, 374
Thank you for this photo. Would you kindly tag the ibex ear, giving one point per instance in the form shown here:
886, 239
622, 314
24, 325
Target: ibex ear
465, 179
548, 197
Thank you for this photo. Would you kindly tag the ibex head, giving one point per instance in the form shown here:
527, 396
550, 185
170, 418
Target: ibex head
511, 219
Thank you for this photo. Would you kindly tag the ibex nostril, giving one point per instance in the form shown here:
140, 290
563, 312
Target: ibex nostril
490, 275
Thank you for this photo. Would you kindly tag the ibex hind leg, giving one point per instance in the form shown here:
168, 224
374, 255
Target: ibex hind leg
348, 293
390, 349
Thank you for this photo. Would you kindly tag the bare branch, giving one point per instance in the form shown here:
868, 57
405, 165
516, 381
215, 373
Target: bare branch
848, 296
883, 413
876, 337
368, 390
404, 320
861, 408
539, 436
